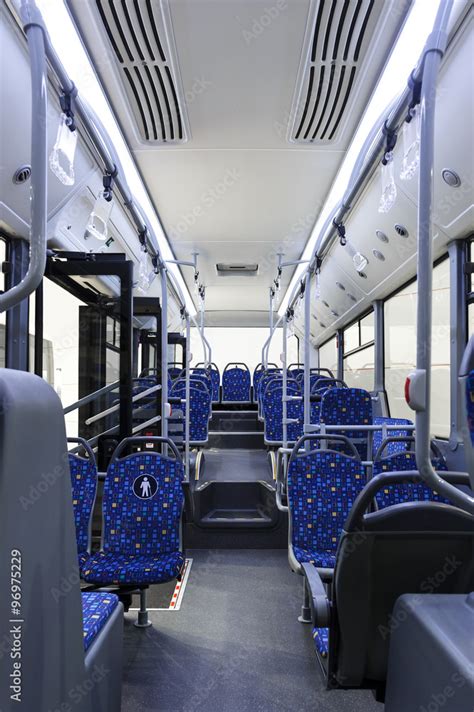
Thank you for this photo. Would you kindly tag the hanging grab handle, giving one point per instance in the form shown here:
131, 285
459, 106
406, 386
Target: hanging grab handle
32, 23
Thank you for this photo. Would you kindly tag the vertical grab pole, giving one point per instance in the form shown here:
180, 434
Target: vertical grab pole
307, 354
164, 350
188, 394
420, 380
285, 380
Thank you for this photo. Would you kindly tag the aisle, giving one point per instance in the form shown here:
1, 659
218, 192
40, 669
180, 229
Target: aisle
235, 645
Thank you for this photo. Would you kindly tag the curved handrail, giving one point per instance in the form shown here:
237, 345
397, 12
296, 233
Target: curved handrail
35, 34
142, 439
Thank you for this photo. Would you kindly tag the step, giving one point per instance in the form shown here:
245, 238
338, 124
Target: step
228, 421
229, 505
236, 518
238, 439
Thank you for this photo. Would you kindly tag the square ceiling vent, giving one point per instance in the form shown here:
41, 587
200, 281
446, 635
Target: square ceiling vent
236, 269
141, 36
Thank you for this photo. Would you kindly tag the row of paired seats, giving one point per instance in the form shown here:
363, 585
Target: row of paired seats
142, 507
233, 387
361, 537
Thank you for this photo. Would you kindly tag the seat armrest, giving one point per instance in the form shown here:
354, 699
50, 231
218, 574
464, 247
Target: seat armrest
319, 602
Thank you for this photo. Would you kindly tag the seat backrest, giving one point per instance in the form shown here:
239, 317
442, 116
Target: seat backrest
142, 505
84, 491
215, 376
175, 372
200, 408
236, 384
409, 491
352, 406
322, 486
415, 547
394, 446
273, 412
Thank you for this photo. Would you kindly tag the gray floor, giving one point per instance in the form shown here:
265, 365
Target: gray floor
236, 466
235, 645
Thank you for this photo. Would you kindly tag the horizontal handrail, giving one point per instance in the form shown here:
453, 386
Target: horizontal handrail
115, 408
91, 397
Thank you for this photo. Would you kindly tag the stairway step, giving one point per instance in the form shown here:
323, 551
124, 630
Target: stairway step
236, 518
238, 439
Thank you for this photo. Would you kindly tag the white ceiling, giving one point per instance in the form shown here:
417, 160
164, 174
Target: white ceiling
237, 190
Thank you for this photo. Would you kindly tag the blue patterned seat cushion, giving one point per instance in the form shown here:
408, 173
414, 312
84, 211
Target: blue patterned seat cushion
84, 489
97, 608
378, 437
128, 569
141, 535
321, 641
409, 491
320, 559
348, 405
236, 385
470, 404
200, 409
322, 487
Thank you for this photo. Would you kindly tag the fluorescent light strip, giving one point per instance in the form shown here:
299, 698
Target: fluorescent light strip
70, 49
402, 61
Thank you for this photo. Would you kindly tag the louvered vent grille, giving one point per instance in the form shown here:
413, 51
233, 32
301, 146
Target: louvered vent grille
336, 43
141, 38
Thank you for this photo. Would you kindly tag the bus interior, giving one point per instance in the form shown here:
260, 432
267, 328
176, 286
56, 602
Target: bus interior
237, 355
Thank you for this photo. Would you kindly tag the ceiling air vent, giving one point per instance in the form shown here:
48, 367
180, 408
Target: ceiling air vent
337, 38
239, 269
141, 36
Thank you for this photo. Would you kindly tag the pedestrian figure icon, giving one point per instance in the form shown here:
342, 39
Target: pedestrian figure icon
145, 487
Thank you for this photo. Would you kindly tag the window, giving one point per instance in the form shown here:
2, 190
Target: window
328, 355
242, 344
60, 345
359, 353
400, 349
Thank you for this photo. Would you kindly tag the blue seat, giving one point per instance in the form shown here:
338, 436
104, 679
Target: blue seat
258, 374
142, 507
273, 413
97, 607
408, 491
378, 435
213, 378
175, 371
236, 383
322, 486
351, 406
271, 374
84, 491
200, 408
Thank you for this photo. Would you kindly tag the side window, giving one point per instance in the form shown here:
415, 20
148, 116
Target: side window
359, 353
328, 355
400, 349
